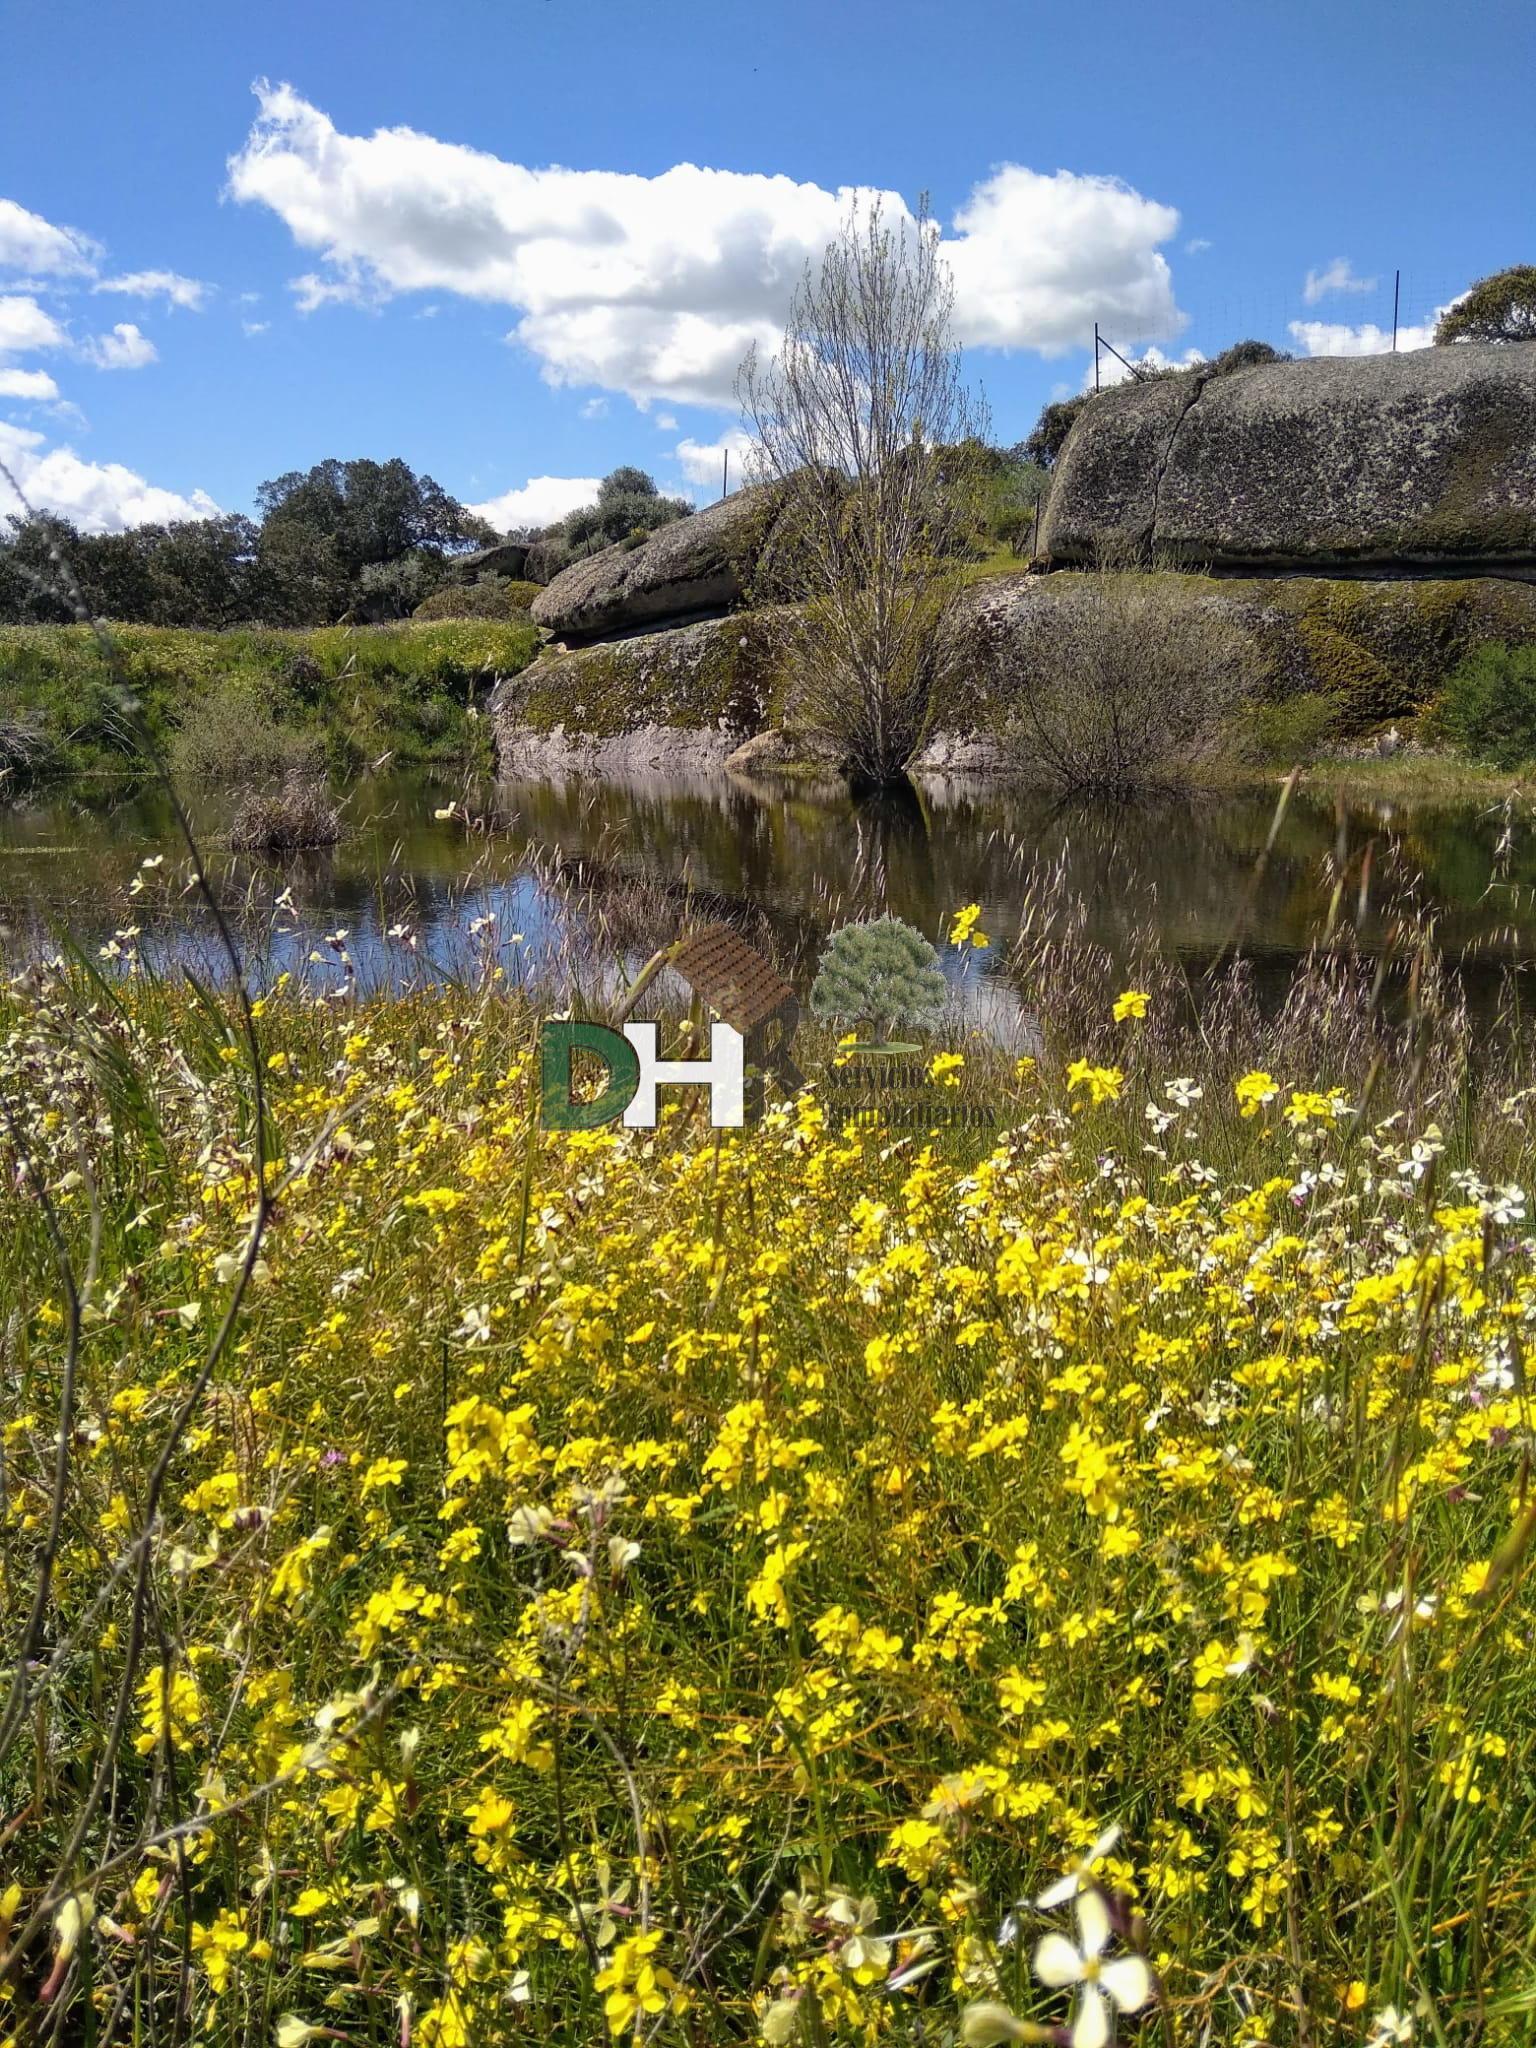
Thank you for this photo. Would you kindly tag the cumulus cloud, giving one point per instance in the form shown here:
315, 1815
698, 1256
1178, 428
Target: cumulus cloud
1112, 371
1328, 338
24, 325
595, 409
1037, 260
125, 348
168, 285
658, 286
31, 244
32, 386
100, 497
703, 462
540, 502
1337, 277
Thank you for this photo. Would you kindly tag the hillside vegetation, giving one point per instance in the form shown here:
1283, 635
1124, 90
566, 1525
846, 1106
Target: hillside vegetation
240, 702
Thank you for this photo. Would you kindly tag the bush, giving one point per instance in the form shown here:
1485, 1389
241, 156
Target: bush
1116, 684
629, 509
488, 598
1488, 707
233, 736
1291, 731
1245, 355
297, 817
1050, 431
1012, 499
27, 752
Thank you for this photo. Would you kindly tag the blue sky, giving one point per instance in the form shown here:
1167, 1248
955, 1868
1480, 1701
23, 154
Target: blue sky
509, 278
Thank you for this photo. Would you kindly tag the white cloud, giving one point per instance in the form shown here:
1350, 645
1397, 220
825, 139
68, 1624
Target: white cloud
125, 348
168, 285
657, 287
702, 462
1112, 371
596, 409
31, 386
24, 325
1337, 277
1326, 338
34, 245
1197, 247
250, 328
540, 502
1038, 259
98, 497
664, 423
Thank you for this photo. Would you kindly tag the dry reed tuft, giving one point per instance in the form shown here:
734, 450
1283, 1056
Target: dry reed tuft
293, 819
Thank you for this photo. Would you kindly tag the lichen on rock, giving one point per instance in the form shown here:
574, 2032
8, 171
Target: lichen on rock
717, 682
1418, 463
686, 570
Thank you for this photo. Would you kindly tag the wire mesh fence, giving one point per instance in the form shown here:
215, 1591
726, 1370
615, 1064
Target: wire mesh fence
1333, 313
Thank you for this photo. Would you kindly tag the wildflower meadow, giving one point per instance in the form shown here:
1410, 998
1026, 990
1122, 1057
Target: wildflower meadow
465, 1583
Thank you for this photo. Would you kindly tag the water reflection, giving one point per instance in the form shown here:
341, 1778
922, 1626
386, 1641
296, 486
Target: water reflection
408, 888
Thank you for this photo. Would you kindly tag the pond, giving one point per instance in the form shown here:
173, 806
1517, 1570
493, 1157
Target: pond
419, 894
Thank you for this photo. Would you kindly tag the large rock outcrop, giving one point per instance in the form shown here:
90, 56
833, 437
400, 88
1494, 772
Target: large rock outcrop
1380, 649
686, 697
1416, 464
689, 698
505, 558
695, 568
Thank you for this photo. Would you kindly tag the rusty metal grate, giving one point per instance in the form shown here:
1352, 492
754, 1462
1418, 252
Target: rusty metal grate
736, 982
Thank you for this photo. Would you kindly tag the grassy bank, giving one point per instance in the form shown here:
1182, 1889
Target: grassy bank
343, 695
1426, 775
511, 1585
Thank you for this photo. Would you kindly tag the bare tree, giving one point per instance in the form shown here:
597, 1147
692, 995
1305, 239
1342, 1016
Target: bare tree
862, 424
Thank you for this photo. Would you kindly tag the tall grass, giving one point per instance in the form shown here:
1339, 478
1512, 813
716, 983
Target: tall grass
413, 691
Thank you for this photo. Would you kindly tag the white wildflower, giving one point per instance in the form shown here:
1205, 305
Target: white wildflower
1120, 1985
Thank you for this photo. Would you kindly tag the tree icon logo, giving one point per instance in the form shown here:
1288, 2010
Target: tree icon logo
883, 972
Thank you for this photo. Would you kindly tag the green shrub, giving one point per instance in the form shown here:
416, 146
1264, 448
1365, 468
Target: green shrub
1488, 706
1296, 729
885, 971
489, 598
232, 736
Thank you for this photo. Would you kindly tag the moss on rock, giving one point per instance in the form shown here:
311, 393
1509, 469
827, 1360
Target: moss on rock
1381, 650
723, 675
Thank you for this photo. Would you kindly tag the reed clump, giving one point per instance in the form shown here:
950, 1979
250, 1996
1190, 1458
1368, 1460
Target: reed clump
297, 817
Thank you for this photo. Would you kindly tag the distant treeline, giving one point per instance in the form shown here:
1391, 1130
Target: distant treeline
342, 539
360, 541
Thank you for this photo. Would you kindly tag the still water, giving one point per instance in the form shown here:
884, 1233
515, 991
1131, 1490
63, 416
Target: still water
418, 895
